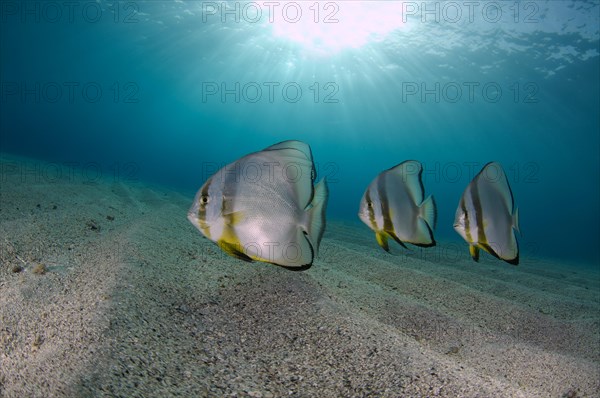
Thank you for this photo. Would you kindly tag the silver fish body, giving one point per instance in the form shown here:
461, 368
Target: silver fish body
486, 216
393, 206
265, 207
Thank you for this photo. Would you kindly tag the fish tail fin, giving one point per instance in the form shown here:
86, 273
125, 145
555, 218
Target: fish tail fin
425, 224
428, 211
515, 220
316, 214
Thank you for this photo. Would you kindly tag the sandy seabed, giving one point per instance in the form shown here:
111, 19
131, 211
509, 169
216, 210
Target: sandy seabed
106, 290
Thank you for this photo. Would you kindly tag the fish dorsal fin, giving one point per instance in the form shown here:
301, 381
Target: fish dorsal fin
294, 168
293, 144
492, 175
409, 172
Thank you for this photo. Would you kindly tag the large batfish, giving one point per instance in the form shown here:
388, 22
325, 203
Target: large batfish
265, 207
394, 207
486, 216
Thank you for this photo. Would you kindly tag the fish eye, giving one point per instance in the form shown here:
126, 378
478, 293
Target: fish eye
203, 199
370, 204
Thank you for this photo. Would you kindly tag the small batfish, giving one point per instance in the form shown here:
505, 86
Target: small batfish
265, 207
487, 217
393, 206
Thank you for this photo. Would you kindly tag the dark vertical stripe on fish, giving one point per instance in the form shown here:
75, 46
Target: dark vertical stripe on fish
385, 206
230, 180
202, 209
478, 214
467, 220
370, 209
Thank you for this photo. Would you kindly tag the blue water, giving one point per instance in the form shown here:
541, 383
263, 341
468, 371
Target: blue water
147, 102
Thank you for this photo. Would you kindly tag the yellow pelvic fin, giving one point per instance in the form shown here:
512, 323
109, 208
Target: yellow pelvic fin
234, 218
233, 250
382, 239
474, 250
205, 229
229, 241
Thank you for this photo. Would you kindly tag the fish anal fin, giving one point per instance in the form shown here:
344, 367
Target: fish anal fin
395, 237
501, 256
301, 268
423, 235
488, 248
514, 261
